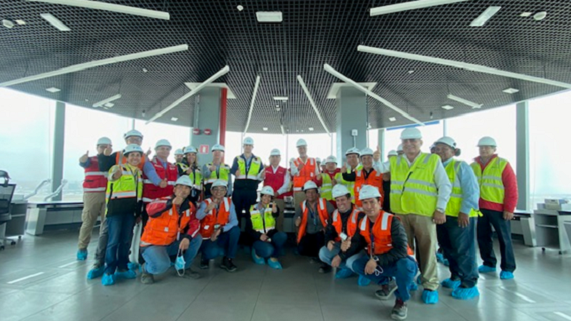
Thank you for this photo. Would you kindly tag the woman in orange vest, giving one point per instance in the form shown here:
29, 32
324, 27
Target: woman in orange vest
172, 230
389, 254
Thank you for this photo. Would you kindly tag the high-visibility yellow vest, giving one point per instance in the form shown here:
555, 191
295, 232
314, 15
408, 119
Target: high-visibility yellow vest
326, 187
129, 185
262, 224
253, 171
224, 173
196, 178
490, 181
455, 202
413, 190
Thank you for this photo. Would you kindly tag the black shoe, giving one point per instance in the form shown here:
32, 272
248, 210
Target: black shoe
399, 311
325, 268
228, 265
204, 264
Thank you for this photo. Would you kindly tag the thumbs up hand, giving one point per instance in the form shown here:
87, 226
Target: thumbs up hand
84, 157
149, 152
344, 168
377, 154
108, 151
163, 183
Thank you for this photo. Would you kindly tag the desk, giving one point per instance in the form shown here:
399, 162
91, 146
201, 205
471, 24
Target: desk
524, 224
550, 228
567, 225
42, 214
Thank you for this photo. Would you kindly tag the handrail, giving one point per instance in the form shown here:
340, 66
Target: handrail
57, 191
44, 182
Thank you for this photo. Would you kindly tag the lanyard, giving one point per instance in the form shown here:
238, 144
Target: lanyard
372, 240
312, 214
248, 163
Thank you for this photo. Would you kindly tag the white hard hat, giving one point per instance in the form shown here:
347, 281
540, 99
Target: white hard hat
366, 152
331, 159
368, 191
219, 182
104, 141
317, 159
301, 142
399, 148
352, 150
275, 152
393, 153
248, 141
163, 142
446, 141
217, 147
178, 152
309, 185
411, 133
184, 180
339, 190
487, 141
132, 148
189, 149
133, 132
267, 190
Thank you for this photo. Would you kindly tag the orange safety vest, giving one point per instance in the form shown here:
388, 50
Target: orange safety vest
121, 159
321, 210
381, 234
351, 227
221, 217
306, 174
166, 229
375, 179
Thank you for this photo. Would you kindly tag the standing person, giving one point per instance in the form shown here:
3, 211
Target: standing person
303, 169
172, 230
124, 202
269, 241
180, 161
319, 164
216, 170
498, 199
279, 179
387, 184
327, 179
94, 186
457, 236
178, 156
352, 164
311, 218
247, 169
368, 175
194, 173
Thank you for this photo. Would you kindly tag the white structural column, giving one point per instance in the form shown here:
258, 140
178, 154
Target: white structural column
522, 155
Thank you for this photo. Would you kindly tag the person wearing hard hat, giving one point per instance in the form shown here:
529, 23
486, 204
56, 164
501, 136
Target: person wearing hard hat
420, 190
193, 171
311, 218
303, 169
368, 175
279, 179
165, 171
387, 183
352, 164
216, 170
219, 227
247, 169
338, 234
178, 156
498, 200
124, 202
389, 255
327, 179
269, 241
180, 161
319, 163
457, 236
94, 186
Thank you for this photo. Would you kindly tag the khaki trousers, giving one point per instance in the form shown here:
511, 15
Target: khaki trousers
93, 207
423, 230
280, 220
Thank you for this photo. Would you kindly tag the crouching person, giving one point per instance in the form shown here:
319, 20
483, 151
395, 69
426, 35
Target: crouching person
172, 230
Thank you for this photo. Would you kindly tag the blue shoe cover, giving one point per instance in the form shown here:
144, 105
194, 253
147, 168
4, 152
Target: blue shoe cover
429, 297
275, 264
506, 275
134, 266
257, 259
486, 269
129, 274
344, 273
446, 262
108, 279
95, 273
81, 255
465, 293
451, 284
440, 257
363, 281
413, 286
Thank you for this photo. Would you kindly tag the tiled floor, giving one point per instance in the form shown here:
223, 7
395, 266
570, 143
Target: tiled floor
40, 280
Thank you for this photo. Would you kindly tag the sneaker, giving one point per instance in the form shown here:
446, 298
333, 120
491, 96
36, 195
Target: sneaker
147, 278
324, 268
506, 275
190, 274
82, 254
486, 269
204, 264
386, 291
95, 272
228, 265
399, 311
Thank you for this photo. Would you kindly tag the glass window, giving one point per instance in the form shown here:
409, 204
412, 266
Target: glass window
27, 139
178, 136
430, 133
318, 145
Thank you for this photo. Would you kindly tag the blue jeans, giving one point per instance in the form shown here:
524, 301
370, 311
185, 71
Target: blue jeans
271, 249
226, 243
403, 271
486, 243
459, 247
120, 227
327, 256
157, 258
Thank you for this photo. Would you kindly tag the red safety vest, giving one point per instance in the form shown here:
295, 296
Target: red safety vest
321, 211
95, 181
166, 229
375, 179
306, 174
275, 180
351, 227
221, 217
381, 234
152, 192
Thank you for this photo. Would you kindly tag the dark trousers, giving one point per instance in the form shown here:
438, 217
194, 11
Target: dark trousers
310, 244
120, 235
486, 243
243, 199
402, 270
273, 248
459, 247
226, 244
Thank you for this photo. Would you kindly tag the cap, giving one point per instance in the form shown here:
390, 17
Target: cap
248, 141
219, 182
163, 142
411, 133
132, 148
487, 141
368, 191
267, 190
104, 141
133, 132
309, 185
189, 149
184, 180
331, 159
301, 142
275, 152
366, 152
217, 147
446, 141
339, 190
352, 150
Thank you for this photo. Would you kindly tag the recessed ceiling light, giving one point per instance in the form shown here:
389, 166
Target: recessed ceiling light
282, 98
510, 90
145, 70
485, 16
447, 107
278, 108
265, 129
240, 8
174, 118
53, 89
411, 71
540, 15
106, 100
7, 23
310, 129
526, 14
392, 119
20, 22
269, 16
109, 105
54, 21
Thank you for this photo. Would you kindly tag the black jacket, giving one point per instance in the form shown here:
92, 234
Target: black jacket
331, 232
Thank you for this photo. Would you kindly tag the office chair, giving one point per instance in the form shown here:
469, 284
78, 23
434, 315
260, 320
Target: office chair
6, 194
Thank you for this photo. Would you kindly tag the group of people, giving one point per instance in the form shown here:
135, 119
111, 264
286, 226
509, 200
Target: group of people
381, 221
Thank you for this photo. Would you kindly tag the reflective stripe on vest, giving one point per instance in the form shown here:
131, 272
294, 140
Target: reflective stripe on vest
129, 185
381, 234
253, 170
262, 223
490, 181
165, 229
321, 213
208, 222
351, 227
95, 180
196, 178
306, 174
